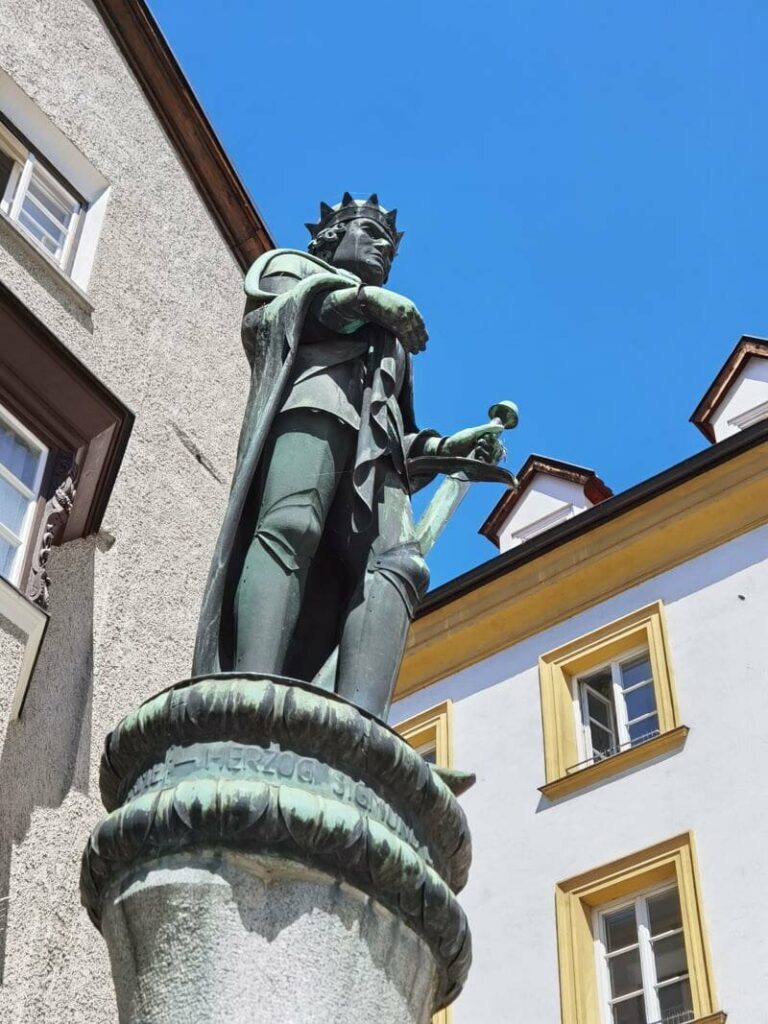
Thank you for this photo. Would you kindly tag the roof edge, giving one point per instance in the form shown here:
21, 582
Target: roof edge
748, 345
144, 47
676, 475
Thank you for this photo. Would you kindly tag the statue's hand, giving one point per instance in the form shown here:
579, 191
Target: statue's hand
397, 314
479, 442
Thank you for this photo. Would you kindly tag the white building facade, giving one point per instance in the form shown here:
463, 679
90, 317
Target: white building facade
605, 681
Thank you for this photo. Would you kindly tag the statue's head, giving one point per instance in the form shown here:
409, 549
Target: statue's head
357, 235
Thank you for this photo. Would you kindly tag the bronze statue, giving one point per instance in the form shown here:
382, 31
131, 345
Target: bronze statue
318, 571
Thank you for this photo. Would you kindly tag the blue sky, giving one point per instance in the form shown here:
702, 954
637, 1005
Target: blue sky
582, 185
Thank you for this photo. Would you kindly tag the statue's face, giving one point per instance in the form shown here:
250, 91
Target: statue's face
366, 249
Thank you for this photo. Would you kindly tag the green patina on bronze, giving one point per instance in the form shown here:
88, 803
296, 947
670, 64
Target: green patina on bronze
295, 718
366, 808
319, 566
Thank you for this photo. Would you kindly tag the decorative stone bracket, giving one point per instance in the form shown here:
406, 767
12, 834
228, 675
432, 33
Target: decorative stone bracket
54, 521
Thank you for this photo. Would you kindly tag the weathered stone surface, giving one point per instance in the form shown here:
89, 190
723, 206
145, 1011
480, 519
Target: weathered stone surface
255, 940
238, 768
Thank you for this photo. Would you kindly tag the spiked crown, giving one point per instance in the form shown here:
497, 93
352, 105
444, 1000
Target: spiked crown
352, 209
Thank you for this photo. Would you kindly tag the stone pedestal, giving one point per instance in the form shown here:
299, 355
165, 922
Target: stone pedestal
274, 854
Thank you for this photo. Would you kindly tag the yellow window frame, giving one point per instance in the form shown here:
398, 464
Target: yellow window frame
576, 898
558, 668
432, 728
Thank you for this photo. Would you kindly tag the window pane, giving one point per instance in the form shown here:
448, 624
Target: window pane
13, 507
603, 743
640, 701
630, 1012
675, 1003
6, 166
58, 210
644, 730
37, 232
17, 455
599, 710
31, 213
664, 912
638, 670
670, 957
626, 975
7, 555
600, 681
620, 929
429, 754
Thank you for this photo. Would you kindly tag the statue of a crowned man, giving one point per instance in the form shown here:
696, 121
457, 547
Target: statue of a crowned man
317, 563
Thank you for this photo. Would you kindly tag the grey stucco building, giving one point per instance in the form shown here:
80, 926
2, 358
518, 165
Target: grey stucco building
123, 235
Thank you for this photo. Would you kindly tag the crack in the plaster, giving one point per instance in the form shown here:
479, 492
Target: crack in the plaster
194, 451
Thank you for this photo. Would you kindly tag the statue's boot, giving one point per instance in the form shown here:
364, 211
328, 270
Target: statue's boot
376, 629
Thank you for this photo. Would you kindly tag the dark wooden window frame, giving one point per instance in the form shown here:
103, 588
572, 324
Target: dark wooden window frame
84, 425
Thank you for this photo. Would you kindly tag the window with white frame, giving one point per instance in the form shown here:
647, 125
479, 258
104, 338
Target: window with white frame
22, 464
38, 201
617, 706
641, 959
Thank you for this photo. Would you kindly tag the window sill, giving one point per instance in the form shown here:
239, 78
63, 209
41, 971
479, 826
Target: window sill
712, 1018
666, 743
47, 263
32, 621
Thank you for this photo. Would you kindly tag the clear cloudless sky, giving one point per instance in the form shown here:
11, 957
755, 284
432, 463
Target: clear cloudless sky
583, 185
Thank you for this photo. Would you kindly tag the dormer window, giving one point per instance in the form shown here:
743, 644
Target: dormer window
549, 493
42, 204
738, 396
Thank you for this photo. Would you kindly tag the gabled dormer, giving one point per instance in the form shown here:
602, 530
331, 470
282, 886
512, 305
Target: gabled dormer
738, 396
550, 492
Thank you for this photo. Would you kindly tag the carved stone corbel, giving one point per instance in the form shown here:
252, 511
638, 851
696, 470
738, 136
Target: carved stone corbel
55, 515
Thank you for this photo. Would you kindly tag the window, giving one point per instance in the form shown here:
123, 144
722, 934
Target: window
641, 960
431, 734
617, 706
22, 463
608, 702
45, 208
51, 196
632, 943
62, 437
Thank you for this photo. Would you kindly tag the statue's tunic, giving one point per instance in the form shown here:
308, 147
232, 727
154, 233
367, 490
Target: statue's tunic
357, 381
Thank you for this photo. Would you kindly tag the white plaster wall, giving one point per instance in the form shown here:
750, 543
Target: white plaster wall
545, 494
749, 390
163, 334
716, 609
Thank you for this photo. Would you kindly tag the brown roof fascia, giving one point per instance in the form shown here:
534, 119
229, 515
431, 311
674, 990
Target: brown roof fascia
702, 462
594, 488
746, 347
149, 57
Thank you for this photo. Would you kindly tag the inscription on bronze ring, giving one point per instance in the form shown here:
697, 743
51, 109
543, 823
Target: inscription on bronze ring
270, 764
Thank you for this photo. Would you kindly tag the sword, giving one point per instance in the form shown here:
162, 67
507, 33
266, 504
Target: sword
453, 489
444, 502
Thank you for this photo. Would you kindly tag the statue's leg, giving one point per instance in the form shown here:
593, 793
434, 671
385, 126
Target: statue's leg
304, 461
393, 576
